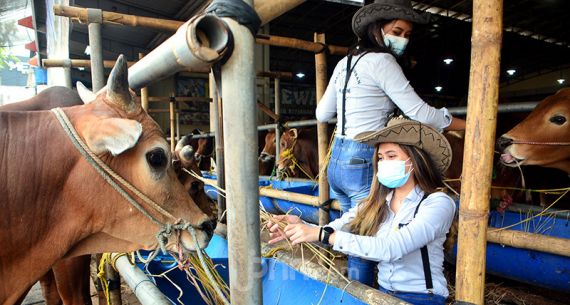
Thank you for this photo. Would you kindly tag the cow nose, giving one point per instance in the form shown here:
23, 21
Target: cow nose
208, 227
503, 142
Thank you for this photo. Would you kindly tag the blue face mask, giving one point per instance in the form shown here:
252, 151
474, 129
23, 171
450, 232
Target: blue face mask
395, 43
392, 173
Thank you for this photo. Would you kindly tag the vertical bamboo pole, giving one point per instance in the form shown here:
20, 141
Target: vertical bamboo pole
277, 88
95, 18
242, 193
218, 128
322, 134
172, 131
144, 92
478, 156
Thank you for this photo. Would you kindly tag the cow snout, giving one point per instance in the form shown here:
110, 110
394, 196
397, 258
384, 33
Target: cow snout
503, 142
208, 227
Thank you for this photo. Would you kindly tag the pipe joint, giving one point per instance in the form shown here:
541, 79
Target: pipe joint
94, 15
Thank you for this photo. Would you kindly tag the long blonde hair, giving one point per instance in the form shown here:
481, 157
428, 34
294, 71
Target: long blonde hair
373, 209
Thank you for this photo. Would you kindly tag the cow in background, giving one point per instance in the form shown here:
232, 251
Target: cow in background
299, 154
203, 150
267, 155
63, 184
543, 138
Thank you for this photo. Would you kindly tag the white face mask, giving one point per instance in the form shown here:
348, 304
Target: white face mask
395, 43
392, 173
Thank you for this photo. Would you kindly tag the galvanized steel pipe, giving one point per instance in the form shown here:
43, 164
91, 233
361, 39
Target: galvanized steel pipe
94, 17
242, 197
197, 44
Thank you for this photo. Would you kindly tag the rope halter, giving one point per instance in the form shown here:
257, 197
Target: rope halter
120, 184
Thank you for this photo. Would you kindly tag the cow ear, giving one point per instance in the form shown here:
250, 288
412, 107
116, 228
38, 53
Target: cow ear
112, 135
86, 95
293, 132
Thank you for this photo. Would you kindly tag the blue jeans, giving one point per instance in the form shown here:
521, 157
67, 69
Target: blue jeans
416, 298
361, 270
350, 171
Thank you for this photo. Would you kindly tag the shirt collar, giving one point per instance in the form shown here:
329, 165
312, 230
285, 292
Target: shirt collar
415, 195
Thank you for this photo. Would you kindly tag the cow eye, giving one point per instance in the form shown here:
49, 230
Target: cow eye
558, 119
157, 158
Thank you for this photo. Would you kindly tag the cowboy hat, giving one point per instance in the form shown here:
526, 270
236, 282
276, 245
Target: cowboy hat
387, 10
404, 131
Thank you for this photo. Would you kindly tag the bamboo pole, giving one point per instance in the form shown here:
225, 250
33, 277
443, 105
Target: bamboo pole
267, 111
178, 99
277, 93
275, 74
310, 46
77, 63
269, 10
478, 159
322, 132
172, 115
144, 92
530, 241
80, 14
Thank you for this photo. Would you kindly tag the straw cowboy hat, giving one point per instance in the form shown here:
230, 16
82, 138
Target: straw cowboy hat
386, 10
404, 131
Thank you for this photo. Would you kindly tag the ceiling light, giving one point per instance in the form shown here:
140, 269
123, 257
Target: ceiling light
561, 81
300, 75
448, 60
438, 88
80, 68
511, 72
87, 50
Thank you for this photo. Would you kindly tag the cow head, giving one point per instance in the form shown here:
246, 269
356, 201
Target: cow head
287, 159
543, 138
267, 155
184, 162
117, 129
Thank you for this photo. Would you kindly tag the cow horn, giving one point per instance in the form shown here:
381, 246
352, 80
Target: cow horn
183, 142
118, 86
187, 154
87, 96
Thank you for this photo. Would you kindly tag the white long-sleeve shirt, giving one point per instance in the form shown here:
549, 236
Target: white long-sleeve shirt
396, 245
377, 85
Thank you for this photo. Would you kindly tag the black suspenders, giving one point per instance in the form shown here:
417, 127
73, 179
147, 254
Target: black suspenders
425, 256
348, 74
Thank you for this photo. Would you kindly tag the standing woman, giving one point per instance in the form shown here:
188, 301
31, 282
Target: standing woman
365, 88
402, 224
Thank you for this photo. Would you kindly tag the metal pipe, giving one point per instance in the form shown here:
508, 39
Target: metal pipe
197, 44
67, 76
242, 196
483, 100
94, 17
322, 132
143, 287
277, 84
144, 92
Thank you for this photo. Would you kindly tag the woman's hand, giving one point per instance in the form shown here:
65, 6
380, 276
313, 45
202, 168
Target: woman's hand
275, 233
299, 232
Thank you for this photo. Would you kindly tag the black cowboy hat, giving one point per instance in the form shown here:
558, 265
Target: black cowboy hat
386, 10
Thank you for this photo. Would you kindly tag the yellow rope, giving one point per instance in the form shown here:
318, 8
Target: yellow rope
103, 277
270, 253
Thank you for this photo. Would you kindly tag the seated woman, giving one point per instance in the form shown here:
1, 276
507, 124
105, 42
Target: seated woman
403, 222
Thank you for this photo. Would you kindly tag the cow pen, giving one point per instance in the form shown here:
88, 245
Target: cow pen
201, 43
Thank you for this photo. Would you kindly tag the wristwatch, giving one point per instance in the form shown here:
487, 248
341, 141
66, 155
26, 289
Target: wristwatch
327, 234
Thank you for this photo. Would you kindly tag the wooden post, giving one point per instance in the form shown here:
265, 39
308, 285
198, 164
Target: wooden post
322, 133
75, 63
478, 157
172, 131
144, 92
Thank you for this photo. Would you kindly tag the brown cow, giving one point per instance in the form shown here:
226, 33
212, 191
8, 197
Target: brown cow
267, 156
543, 138
59, 207
203, 150
299, 156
